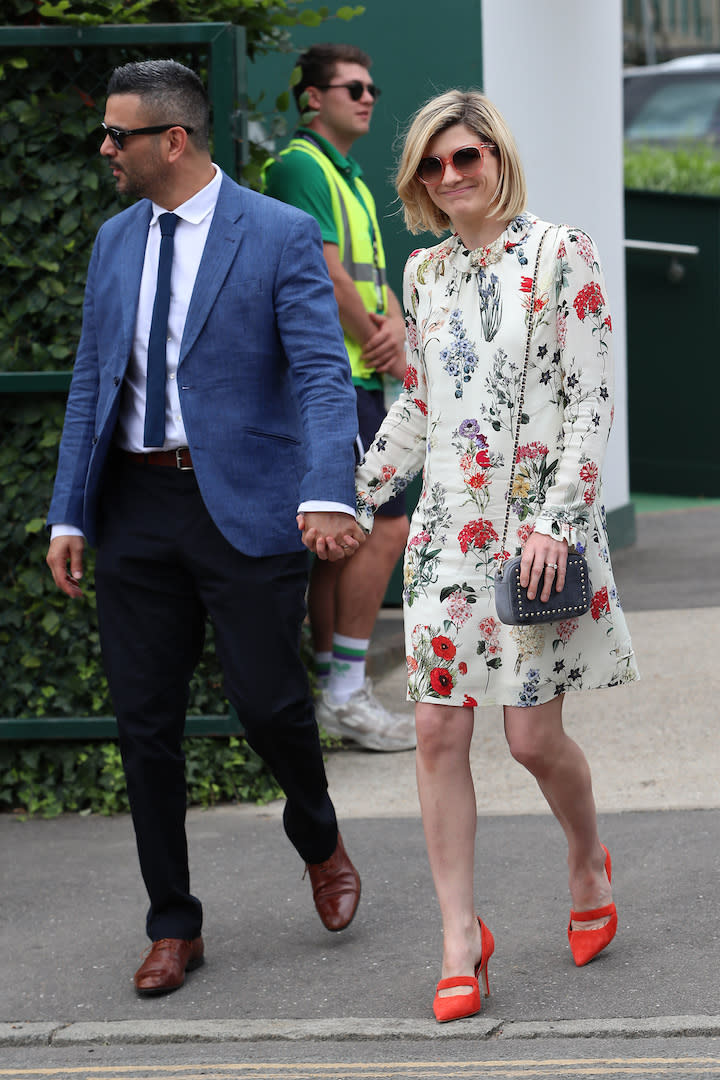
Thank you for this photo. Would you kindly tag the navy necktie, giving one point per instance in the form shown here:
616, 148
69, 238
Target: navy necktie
155, 395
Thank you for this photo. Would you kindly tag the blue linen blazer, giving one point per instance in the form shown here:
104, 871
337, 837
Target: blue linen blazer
264, 380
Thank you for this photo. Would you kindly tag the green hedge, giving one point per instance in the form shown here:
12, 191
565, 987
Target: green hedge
686, 170
48, 779
49, 646
54, 193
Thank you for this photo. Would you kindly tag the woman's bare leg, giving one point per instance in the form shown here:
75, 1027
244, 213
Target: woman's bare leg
537, 740
449, 813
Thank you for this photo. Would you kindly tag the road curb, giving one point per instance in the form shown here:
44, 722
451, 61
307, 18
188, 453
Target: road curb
129, 1032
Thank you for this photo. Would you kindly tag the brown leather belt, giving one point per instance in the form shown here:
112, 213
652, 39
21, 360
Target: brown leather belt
174, 459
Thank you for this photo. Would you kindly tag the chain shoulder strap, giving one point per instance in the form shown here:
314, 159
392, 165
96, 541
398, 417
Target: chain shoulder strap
521, 399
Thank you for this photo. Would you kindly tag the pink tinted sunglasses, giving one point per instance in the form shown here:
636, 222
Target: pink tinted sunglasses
466, 160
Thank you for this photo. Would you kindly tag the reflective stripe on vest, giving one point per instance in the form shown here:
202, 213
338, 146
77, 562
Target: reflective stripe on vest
365, 267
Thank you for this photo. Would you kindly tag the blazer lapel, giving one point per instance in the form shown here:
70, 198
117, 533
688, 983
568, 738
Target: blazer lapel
221, 248
132, 261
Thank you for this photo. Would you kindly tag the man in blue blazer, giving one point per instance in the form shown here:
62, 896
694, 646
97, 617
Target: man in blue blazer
190, 486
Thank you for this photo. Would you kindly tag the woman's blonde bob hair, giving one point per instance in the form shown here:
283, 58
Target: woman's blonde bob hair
471, 108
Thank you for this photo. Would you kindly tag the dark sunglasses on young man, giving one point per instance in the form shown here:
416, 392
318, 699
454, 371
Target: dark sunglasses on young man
466, 160
119, 135
355, 89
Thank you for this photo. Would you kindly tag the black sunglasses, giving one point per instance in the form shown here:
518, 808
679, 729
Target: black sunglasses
355, 89
467, 160
118, 135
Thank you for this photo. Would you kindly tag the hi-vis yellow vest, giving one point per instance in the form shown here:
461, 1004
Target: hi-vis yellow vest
365, 265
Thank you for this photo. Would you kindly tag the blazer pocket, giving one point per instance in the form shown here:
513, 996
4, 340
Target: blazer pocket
279, 435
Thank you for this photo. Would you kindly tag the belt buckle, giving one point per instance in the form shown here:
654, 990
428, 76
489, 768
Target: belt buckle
178, 459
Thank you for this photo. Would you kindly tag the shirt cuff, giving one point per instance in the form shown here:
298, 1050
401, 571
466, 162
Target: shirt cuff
319, 506
64, 530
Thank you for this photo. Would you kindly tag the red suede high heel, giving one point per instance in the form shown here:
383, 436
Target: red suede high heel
585, 944
458, 1006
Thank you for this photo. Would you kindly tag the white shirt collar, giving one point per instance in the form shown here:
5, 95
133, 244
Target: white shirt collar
198, 206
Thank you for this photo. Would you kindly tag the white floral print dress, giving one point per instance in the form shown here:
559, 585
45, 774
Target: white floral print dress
466, 316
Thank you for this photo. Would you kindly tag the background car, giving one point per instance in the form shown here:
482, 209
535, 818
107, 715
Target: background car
673, 102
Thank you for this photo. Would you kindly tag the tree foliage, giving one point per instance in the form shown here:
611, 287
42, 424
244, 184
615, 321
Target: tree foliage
268, 23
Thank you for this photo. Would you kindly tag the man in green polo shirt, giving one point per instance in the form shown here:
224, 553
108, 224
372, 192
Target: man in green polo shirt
317, 174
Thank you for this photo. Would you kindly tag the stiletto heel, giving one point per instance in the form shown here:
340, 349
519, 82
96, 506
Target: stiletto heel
458, 1006
488, 948
586, 944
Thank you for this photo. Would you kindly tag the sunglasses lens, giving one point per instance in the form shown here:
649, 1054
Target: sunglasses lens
430, 170
467, 159
356, 89
114, 135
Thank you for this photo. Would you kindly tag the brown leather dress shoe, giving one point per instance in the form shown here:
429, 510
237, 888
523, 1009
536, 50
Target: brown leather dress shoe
336, 888
164, 967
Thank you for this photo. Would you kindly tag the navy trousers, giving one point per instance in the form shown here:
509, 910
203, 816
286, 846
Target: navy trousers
162, 567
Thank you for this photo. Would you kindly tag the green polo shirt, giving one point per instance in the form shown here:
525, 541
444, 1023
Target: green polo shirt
296, 179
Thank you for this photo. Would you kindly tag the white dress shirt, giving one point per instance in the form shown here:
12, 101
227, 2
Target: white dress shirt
191, 232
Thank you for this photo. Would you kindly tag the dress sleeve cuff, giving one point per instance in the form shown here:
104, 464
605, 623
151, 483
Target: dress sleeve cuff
365, 511
562, 529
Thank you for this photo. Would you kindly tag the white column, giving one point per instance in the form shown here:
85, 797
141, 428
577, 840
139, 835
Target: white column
555, 71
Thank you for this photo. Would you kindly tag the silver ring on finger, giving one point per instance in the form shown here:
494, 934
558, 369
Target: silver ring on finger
551, 566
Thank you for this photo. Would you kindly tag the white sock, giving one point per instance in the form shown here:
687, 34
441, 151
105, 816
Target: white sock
323, 660
347, 671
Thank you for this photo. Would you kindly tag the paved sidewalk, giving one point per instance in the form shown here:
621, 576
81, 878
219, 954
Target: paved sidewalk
73, 920
72, 904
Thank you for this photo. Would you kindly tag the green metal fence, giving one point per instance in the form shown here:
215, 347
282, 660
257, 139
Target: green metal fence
48, 313
673, 279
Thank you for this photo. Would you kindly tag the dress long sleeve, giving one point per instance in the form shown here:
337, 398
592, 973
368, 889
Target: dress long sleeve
580, 373
398, 451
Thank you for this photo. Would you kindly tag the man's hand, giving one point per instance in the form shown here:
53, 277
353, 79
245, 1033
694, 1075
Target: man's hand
330, 535
65, 559
385, 350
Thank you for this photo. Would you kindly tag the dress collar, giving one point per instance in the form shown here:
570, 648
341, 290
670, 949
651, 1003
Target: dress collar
472, 261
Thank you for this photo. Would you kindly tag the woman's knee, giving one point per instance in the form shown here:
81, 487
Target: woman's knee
534, 747
442, 731
527, 750
534, 735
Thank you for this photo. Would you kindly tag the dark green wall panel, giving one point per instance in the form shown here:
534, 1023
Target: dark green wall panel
418, 49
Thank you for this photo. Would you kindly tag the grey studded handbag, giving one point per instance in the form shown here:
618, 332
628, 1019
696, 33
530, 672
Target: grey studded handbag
511, 599
513, 606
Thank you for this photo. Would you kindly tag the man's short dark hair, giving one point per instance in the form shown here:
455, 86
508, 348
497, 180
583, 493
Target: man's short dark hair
170, 92
318, 65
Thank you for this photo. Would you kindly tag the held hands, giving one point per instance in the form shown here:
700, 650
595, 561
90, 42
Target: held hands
543, 564
330, 535
66, 550
385, 349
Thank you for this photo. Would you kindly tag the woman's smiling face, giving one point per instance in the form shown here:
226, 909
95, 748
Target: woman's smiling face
465, 199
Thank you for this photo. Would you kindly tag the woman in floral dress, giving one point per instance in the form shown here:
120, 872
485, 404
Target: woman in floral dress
467, 305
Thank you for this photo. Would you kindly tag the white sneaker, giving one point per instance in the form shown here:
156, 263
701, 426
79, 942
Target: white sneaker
365, 721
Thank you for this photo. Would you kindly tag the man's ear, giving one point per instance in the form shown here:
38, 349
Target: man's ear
312, 97
177, 138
